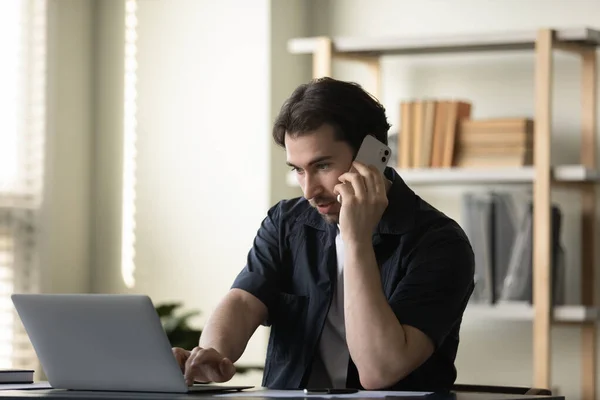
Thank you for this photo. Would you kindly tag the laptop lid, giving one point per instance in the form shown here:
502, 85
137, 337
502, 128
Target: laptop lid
104, 342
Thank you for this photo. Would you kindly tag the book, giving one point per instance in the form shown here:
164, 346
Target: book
16, 376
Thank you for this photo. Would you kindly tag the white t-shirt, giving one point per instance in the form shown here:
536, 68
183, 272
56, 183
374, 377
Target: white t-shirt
333, 347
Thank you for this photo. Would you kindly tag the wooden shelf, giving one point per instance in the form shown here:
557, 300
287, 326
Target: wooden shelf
581, 42
452, 176
522, 311
563, 173
520, 40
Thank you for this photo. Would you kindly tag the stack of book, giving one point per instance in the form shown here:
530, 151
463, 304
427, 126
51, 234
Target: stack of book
499, 142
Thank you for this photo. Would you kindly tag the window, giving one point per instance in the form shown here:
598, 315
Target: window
10, 39
22, 132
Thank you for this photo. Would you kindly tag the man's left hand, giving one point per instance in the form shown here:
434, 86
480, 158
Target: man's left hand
364, 199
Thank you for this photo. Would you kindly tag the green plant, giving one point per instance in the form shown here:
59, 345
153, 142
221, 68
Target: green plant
176, 326
181, 334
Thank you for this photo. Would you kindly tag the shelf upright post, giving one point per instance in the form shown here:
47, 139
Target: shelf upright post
322, 57
589, 71
542, 256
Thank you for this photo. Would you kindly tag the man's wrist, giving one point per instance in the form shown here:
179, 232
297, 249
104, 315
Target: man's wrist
359, 245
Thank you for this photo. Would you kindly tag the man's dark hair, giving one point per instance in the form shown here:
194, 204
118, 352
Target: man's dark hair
346, 106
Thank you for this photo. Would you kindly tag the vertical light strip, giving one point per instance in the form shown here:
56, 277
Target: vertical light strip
37, 102
11, 45
129, 147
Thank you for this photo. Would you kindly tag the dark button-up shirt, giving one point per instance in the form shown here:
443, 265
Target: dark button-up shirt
426, 265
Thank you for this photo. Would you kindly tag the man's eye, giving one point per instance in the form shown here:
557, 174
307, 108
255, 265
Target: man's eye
296, 170
323, 166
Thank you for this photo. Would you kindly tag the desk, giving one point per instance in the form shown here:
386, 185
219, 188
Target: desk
58, 394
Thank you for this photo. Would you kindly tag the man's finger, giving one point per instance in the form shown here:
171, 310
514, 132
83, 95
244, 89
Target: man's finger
181, 356
189, 370
357, 182
345, 192
369, 175
204, 365
214, 371
379, 180
181, 360
227, 369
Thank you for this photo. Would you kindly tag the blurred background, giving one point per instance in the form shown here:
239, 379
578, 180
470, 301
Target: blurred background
136, 156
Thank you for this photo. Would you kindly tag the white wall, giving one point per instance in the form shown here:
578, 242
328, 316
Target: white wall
288, 19
211, 78
203, 148
498, 85
109, 68
65, 214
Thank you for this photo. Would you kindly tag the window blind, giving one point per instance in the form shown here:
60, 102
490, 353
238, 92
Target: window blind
22, 134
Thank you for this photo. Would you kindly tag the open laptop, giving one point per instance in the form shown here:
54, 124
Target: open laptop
104, 342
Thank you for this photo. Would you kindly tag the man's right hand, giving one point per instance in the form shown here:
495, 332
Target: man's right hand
203, 365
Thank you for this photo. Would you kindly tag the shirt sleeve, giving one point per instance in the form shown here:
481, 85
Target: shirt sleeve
260, 276
433, 294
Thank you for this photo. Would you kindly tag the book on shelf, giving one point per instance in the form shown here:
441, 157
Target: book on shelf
16, 376
500, 228
440, 133
428, 131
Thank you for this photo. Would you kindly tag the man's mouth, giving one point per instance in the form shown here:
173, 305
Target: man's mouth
325, 207
324, 204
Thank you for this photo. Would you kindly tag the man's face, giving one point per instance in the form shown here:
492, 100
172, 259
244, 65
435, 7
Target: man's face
318, 160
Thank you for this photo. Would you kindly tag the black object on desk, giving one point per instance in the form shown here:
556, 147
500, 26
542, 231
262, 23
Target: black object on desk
330, 391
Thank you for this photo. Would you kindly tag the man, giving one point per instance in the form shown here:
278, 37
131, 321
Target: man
366, 292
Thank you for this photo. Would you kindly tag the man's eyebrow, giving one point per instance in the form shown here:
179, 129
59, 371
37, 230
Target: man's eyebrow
314, 161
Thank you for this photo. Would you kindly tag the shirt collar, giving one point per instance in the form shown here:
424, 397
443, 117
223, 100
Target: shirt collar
398, 217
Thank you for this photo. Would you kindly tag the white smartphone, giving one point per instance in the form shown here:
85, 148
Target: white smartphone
374, 152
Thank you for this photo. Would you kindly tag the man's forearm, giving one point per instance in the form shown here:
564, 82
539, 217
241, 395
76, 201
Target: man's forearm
376, 340
232, 323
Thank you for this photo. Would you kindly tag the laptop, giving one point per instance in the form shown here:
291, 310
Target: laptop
103, 342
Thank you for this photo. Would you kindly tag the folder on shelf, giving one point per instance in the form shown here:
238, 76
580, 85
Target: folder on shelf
518, 282
500, 228
478, 218
509, 211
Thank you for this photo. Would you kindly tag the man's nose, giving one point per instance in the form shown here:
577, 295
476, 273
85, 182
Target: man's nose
312, 186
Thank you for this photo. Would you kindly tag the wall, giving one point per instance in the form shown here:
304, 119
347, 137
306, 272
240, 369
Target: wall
204, 176
290, 18
203, 151
109, 69
491, 352
65, 214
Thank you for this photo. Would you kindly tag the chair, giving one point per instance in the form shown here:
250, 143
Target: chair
500, 389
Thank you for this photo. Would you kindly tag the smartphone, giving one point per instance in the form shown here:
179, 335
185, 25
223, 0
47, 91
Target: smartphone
330, 391
374, 152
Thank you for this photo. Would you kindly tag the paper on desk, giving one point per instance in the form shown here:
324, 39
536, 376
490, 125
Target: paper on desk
300, 393
25, 386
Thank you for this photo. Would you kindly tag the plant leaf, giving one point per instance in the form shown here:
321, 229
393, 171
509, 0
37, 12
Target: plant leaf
179, 322
164, 310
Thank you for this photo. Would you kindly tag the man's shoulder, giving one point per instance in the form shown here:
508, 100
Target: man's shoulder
431, 228
432, 220
287, 211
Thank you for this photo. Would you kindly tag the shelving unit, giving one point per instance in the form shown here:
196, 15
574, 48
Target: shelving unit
522, 311
452, 176
542, 176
